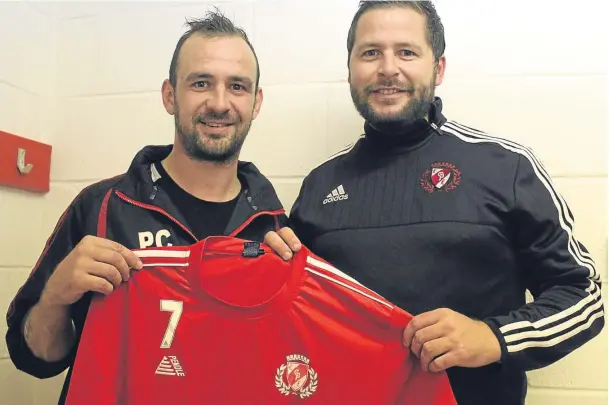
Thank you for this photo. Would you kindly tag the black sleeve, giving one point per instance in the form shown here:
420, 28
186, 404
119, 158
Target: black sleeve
296, 220
567, 310
65, 236
282, 221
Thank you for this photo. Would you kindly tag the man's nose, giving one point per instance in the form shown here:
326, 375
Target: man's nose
219, 100
389, 67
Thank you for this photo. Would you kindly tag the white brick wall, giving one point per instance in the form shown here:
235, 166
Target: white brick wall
88, 75
27, 108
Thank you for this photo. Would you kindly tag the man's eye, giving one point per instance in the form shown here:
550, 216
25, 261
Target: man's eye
200, 84
237, 87
406, 52
371, 52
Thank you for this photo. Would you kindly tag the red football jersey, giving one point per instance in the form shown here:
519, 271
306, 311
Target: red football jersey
225, 322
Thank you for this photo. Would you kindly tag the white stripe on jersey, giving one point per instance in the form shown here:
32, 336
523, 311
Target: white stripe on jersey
162, 253
331, 269
340, 277
357, 290
178, 264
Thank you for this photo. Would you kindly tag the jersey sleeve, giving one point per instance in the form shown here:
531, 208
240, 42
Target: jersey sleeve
97, 367
416, 386
567, 310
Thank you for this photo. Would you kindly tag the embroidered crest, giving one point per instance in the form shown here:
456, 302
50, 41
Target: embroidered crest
296, 377
442, 176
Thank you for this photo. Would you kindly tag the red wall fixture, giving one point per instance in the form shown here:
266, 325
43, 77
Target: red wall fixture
24, 164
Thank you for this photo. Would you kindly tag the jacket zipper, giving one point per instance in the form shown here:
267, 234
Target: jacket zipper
161, 211
156, 209
250, 219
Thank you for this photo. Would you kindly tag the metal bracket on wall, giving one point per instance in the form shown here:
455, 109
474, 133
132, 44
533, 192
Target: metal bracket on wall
23, 168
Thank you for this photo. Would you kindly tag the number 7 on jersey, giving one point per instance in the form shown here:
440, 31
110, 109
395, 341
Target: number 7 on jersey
175, 307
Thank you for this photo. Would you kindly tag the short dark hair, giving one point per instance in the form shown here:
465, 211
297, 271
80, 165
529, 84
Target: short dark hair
435, 29
214, 24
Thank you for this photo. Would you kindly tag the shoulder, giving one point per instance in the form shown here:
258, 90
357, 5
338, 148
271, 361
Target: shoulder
97, 191
496, 148
335, 159
485, 142
261, 188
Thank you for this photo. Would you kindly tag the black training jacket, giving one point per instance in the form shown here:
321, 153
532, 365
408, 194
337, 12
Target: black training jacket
462, 220
133, 210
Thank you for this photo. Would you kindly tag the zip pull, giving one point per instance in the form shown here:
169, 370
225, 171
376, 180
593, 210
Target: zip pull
435, 127
155, 189
249, 200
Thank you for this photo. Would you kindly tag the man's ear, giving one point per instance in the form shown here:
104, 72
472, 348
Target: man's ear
258, 102
349, 69
440, 69
168, 94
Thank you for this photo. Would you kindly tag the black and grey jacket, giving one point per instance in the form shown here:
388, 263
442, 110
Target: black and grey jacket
463, 220
134, 210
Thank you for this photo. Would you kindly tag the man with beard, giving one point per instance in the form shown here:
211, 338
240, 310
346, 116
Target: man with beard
449, 223
170, 195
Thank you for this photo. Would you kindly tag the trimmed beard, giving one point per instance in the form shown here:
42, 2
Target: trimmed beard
196, 147
415, 109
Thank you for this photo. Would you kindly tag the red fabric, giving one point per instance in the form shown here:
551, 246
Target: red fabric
248, 331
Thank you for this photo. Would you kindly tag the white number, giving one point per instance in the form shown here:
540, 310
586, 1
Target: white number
175, 307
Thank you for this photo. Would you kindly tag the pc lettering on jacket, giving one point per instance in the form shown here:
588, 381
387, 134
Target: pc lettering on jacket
157, 239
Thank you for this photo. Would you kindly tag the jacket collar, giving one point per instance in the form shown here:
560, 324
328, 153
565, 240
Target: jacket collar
436, 117
140, 184
401, 137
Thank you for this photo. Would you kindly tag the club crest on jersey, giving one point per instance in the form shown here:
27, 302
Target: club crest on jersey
296, 377
442, 176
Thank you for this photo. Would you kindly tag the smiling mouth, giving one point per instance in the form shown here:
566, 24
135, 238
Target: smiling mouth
388, 92
216, 124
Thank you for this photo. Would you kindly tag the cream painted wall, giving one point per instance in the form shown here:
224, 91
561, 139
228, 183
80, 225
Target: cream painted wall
86, 78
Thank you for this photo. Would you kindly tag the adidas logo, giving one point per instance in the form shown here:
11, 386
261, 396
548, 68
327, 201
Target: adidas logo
337, 194
170, 366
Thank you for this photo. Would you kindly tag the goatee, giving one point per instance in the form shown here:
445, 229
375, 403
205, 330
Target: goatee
415, 109
222, 151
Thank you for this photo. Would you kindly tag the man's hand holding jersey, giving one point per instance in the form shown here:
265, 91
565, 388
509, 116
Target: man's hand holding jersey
441, 338
283, 242
95, 264
444, 338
